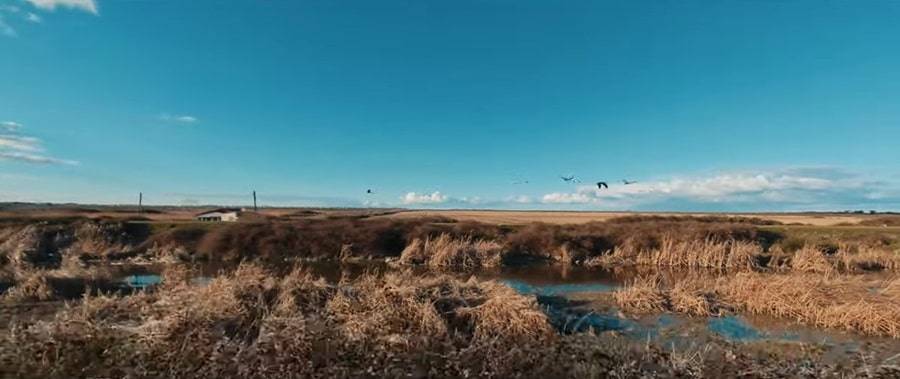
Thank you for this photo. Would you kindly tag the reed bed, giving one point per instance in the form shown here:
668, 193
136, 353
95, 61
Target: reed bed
650, 294
643, 294
868, 258
251, 324
831, 301
847, 259
34, 287
853, 303
811, 259
672, 252
446, 251
34, 284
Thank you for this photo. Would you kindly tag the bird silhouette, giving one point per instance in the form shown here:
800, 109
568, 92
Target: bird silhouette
570, 179
627, 182
369, 191
602, 185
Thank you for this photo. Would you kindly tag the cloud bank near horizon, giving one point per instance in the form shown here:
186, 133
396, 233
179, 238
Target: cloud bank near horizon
783, 189
786, 189
18, 147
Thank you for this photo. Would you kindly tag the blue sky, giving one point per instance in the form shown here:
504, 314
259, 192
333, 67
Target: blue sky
709, 105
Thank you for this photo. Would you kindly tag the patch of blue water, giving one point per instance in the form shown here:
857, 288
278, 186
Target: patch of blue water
142, 281
734, 328
556, 289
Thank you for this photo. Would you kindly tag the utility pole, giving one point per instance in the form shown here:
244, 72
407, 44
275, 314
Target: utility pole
254, 201
140, 203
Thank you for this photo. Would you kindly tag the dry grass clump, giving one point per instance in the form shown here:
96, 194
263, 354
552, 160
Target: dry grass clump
301, 290
251, 324
847, 258
649, 294
672, 252
867, 258
34, 287
831, 301
852, 303
507, 316
445, 251
690, 297
811, 259
642, 295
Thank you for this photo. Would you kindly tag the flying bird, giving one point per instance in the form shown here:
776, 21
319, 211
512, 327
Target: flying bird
627, 182
570, 179
602, 185
520, 182
369, 191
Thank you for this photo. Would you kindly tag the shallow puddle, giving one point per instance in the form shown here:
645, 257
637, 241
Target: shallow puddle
556, 289
141, 281
733, 328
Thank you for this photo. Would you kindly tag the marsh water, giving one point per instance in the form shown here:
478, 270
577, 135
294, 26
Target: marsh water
578, 299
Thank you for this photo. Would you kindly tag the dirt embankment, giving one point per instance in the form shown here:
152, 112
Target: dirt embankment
47, 244
720, 242
50, 244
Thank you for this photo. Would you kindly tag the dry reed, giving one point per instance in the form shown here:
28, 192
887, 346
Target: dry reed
445, 251
248, 324
706, 253
831, 301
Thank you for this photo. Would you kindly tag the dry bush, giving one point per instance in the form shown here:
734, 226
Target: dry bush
811, 259
446, 251
33, 287
301, 291
176, 275
509, 317
642, 295
690, 297
650, 294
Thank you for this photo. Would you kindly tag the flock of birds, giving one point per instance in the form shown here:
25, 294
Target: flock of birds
568, 179
600, 185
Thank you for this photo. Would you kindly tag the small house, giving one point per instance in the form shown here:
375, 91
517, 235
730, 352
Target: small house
217, 215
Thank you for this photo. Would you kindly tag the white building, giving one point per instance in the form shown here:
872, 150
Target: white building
223, 214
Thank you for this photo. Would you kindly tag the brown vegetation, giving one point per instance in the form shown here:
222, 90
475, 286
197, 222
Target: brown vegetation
708, 253
649, 294
445, 251
846, 259
852, 303
250, 324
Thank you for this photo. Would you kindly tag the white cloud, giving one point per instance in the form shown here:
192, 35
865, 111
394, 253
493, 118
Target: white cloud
34, 18
520, 199
10, 126
19, 143
32, 158
85, 5
779, 186
7, 30
182, 119
433, 198
15, 146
